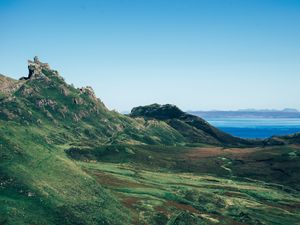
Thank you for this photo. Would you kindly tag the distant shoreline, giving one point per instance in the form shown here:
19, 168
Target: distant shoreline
246, 114
253, 124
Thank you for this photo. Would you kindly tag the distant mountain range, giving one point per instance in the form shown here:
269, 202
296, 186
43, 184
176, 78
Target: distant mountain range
248, 113
269, 110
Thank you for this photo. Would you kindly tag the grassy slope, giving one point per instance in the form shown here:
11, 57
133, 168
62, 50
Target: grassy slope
40, 185
193, 128
49, 101
156, 184
37, 179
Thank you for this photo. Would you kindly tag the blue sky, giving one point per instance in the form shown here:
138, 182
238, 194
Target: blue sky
197, 54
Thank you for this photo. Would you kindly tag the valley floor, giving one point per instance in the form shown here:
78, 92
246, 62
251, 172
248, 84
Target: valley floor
149, 183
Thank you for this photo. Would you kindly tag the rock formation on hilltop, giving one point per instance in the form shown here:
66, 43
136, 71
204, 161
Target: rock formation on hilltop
44, 98
36, 68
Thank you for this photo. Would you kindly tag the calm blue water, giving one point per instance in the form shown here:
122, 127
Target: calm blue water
258, 127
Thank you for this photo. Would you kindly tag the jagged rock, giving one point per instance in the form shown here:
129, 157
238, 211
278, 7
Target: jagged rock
80, 115
89, 91
36, 68
9, 85
45, 79
26, 91
64, 90
63, 111
46, 102
78, 101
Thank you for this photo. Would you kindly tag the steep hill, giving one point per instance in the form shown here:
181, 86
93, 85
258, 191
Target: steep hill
45, 99
41, 116
193, 128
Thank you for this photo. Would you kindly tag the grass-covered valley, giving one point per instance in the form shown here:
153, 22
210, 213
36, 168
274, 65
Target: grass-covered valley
66, 159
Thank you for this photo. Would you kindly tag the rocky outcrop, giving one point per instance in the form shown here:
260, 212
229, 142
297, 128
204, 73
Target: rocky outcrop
78, 101
36, 68
46, 102
64, 90
88, 91
8, 85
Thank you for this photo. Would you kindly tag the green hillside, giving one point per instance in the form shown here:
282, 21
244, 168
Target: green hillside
193, 128
66, 159
41, 116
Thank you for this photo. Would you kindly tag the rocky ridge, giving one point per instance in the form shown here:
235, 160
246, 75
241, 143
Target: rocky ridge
44, 98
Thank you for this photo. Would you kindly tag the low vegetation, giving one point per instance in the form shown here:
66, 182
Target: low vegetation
66, 159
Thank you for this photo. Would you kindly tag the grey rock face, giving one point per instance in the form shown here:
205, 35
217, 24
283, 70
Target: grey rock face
35, 68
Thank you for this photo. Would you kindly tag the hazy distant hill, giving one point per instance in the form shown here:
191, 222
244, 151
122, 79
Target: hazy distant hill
251, 113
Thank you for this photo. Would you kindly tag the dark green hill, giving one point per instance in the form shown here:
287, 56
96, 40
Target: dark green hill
292, 139
41, 116
193, 128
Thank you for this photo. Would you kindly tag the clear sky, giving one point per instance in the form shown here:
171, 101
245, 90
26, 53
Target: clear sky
197, 54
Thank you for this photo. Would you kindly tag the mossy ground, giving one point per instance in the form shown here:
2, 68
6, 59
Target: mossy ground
39, 184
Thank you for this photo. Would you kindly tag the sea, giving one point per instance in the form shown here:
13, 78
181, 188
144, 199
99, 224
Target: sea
256, 127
